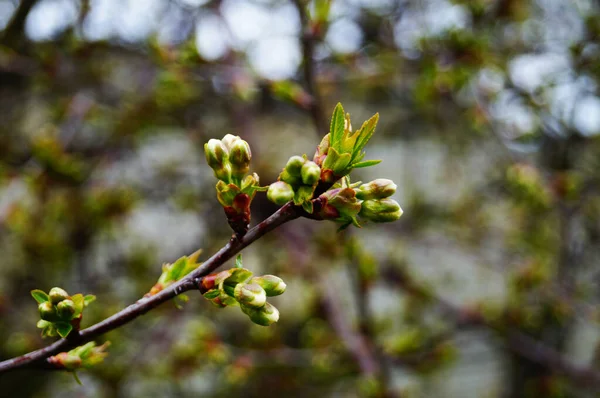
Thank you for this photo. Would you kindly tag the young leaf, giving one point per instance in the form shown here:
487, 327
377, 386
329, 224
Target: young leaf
77, 378
88, 299
238, 261
63, 329
366, 131
366, 163
39, 296
78, 300
336, 129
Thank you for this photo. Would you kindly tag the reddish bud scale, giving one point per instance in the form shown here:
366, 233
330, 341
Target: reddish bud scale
238, 215
208, 283
155, 289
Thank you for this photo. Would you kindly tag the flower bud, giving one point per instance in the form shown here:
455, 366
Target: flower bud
216, 153
381, 210
65, 309
311, 173
228, 140
339, 204
273, 285
293, 180
280, 193
66, 360
294, 165
376, 189
47, 311
250, 295
57, 295
239, 157
263, 316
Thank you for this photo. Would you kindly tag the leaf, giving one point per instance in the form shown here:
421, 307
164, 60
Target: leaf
211, 294
238, 261
76, 378
176, 271
336, 129
238, 275
366, 132
308, 206
78, 300
63, 329
366, 163
88, 299
336, 162
39, 296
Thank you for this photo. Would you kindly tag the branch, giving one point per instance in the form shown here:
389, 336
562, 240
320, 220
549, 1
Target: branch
308, 49
38, 358
518, 342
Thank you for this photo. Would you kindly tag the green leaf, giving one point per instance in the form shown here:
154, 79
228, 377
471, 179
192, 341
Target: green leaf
63, 329
366, 163
365, 134
336, 129
88, 299
238, 275
308, 206
336, 162
39, 296
211, 294
78, 300
238, 261
176, 271
77, 378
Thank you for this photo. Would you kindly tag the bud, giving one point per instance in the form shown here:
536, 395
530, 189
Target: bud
263, 316
339, 204
376, 189
228, 140
216, 153
381, 210
250, 294
239, 157
57, 295
65, 360
65, 309
280, 193
294, 165
311, 173
47, 311
293, 180
273, 285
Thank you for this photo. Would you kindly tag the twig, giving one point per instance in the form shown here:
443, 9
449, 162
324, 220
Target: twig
37, 358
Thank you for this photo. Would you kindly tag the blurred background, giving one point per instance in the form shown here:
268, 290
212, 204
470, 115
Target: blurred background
489, 123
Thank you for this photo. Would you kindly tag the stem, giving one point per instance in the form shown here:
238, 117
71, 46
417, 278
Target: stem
37, 358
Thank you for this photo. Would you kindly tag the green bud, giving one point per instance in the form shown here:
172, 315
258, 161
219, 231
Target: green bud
263, 316
294, 165
216, 153
280, 193
224, 173
239, 156
376, 189
66, 309
340, 204
250, 295
57, 295
311, 173
273, 285
47, 311
285, 176
381, 210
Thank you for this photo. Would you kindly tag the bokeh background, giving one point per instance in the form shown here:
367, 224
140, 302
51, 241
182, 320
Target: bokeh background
489, 123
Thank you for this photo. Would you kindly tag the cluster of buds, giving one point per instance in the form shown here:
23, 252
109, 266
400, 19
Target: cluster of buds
60, 312
174, 272
296, 182
230, 160
236, 286
341, 150
84, 356
345, 203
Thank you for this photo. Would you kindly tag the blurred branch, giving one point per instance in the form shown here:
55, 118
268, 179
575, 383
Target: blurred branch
519, 343
37, 358
15, 28
308, 39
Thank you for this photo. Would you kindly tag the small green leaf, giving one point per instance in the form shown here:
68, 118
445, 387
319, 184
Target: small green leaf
336, 129
63, 329
78, 300
211, 294
238, 275
88, 299
238, 261
76, 378
39, 296
308, 206
365, 133
366, 163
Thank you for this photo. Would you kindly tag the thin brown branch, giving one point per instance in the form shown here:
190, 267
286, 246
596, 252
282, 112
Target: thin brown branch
308, 40
38, 358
